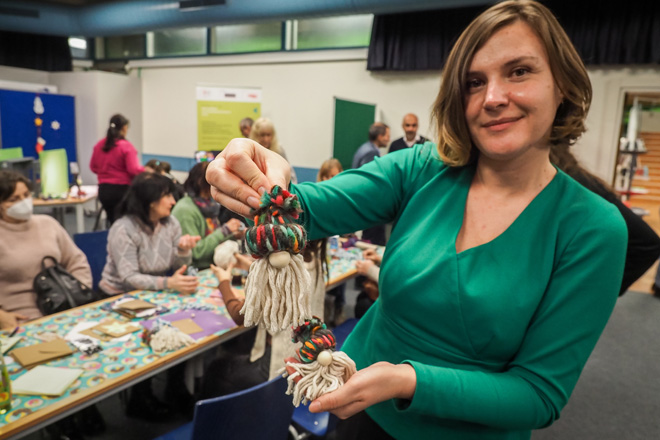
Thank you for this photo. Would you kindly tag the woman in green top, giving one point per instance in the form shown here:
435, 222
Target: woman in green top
501, 271
198, 215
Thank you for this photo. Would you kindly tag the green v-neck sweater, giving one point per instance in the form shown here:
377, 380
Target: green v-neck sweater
497, 334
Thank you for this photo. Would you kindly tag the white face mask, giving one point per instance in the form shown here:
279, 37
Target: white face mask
21, 210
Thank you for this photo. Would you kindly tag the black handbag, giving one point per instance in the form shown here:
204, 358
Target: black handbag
58, 290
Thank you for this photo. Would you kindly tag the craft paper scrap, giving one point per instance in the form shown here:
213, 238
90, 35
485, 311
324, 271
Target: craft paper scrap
209, 322
8, 343
46, 381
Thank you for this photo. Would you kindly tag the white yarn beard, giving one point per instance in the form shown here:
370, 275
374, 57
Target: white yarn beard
277, 297
317, 380
169, 339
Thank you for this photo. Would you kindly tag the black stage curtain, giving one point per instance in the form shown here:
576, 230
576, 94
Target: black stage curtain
603, 31
31, 51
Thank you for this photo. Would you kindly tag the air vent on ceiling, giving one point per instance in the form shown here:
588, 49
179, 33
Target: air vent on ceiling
19, 12
190, 4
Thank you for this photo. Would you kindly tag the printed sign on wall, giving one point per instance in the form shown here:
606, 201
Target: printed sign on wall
219, 111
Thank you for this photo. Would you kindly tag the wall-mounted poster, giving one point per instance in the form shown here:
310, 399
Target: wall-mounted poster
219, 112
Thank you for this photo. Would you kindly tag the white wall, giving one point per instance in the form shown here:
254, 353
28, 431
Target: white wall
298, 97
24, 75
99, 95
650, 122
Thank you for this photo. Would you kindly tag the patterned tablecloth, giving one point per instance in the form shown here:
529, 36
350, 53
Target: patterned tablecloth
116, 358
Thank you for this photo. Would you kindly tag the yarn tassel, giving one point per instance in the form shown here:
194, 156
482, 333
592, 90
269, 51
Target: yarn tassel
277, 286
317, 380
277, 297
321, 370
164, 337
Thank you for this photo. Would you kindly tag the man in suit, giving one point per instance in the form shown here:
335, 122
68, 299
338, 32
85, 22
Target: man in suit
410, 125
379, 136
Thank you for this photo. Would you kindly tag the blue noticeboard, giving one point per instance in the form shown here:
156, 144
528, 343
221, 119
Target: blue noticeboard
18, 128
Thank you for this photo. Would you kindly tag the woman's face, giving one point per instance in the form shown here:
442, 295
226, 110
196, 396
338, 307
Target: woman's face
124, 131
265, 137
21, 192
332, 173
511, 97
162, 207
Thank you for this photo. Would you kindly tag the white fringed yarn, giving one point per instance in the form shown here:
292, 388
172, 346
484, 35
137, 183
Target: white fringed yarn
277, 297
317, 380
223, 255
169, 338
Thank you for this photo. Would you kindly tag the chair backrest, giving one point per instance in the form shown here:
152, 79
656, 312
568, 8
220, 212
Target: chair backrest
261, 412
94, 246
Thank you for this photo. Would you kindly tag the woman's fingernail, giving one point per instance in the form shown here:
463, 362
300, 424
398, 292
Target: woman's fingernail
261, 190
253, 201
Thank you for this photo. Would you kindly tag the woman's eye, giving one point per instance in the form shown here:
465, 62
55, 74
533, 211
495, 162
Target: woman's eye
473, 83
520, 71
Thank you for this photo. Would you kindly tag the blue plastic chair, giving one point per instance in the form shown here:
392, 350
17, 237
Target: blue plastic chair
261, 412
319, 424
94, 246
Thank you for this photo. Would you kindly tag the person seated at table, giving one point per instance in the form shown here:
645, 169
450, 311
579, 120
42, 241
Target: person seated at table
145, 244
26, 240
164, 168
369, 267
197, 213
236, 370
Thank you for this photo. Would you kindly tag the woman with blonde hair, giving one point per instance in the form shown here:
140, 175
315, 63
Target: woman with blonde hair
263, 131
501, 271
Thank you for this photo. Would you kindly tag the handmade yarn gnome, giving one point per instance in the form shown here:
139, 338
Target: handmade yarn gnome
321, 369
277, 286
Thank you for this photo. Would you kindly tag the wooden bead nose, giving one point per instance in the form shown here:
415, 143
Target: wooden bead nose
324, 358
279, 259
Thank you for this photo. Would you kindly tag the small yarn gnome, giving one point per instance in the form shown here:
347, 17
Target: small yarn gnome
321, 369
278, 282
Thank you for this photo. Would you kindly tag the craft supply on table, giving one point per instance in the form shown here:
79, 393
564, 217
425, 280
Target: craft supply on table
8, 343
132, 307
39, 353
46, 381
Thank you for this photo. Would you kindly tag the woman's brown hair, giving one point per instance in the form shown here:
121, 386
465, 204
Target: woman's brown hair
454, 142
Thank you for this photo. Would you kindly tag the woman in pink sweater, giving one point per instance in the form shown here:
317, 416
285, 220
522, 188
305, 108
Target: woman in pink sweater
26, 240
115, 162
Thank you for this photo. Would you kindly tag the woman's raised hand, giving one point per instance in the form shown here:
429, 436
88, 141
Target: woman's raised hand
187, 242
186, 284
243, 171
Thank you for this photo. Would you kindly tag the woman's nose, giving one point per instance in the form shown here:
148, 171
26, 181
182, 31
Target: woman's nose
496, 94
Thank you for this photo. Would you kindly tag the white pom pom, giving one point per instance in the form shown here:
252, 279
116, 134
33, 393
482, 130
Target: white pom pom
223, 255
279, 259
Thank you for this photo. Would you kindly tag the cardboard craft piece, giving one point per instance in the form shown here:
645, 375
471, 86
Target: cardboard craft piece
134, 305
96, 335
209, 322
40, 353
188, 326
116, 328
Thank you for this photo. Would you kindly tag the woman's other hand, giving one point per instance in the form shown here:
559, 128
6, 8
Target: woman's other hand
376, 383
9, 320
243, 171
186, 284
363, 266
187, 242
371, 254
236, 227
222, 274
243, 261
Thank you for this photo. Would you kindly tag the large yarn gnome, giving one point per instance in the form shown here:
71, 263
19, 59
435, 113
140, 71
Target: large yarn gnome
277, 284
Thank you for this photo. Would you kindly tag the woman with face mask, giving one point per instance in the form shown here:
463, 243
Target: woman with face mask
26, 240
